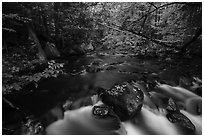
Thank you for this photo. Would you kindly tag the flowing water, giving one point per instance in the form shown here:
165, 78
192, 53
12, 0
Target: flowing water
77, 83
150, 122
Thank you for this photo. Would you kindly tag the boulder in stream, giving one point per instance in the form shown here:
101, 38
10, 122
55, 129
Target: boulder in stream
125, 100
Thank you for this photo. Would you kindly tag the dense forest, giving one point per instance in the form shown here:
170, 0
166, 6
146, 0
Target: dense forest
56, 56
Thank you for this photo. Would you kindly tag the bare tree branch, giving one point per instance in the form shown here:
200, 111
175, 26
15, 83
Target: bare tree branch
151, 3
194, 4
159, 8
197, 4
144, 20
139, 34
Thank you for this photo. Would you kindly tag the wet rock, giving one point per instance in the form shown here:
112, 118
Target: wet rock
90, 120
172, 107
101, 111
175, 116
125, 100
180, 119
105, 112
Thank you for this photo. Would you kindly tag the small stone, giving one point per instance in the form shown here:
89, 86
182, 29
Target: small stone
100, 111
172, 106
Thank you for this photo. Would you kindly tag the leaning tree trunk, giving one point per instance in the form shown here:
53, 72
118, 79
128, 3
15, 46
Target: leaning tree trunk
41, 54
195, 37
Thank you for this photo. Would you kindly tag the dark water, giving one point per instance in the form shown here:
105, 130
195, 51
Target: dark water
77, 83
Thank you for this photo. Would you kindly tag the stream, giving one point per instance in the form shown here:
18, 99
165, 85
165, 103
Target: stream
83, 76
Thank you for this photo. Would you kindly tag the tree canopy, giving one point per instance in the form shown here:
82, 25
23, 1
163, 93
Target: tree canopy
153, 25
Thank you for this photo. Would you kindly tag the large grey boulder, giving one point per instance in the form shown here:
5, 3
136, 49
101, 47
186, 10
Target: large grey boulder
125, 100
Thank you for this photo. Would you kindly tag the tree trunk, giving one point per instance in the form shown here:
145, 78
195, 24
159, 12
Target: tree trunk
41, 54
56, 21
44, 20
